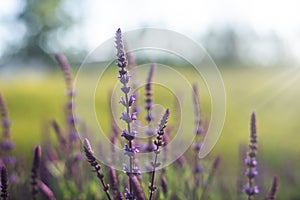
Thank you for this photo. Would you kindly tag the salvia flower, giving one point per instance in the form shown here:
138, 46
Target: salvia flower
148, 99
4, 184
250, 188
197, 112
132, 150
164, 185
128, 194
113, 178
197, 168
271, 195
250, 191
34, 171
89, 153
241, 173
137, 188
127, 115
70, 118
158, 143
66, 68
4, 117
46, 190
61, 138
122, 60
127, 136
9, 160
6, 144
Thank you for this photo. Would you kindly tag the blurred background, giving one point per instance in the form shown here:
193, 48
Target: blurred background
265, 33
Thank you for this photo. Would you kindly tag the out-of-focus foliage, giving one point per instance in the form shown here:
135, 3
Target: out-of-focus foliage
46, 22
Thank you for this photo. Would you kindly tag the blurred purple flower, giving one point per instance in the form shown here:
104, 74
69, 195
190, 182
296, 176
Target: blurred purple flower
7, 145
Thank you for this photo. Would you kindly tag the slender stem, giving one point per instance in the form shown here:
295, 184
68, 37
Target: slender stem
104, 186
152, 187
130, 145
97, 167
158, 143
129, 134
210, 177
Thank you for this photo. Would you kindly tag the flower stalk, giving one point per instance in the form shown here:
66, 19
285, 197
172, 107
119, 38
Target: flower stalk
272, 193
210, 178
6, 144
4, 184
251, 189
66, 68
89, 153
198, 169
150, 131
127, 116
34, 171
158, 142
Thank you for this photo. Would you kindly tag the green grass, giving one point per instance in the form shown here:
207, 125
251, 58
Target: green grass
273, 93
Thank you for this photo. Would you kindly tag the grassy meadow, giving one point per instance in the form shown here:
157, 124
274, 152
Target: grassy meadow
273, 93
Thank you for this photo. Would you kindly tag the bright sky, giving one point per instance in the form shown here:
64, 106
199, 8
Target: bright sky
193, 16
190, 17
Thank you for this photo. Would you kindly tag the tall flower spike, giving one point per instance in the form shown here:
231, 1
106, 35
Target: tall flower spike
148, 99
46, 191
127, 116
241, 172
198, 169
4, 184
271, 195
150, 131
122, 61
66, 68
6, 144
210, 178
197, 111
70, 118
4, 116
164, 185
89, 153
137, 188
250, 188
114, 184
158, 143
34, 171
62, 140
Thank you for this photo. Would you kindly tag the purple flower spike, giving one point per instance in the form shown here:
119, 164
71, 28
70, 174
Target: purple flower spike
89, 154
148, 99
4, 118
123, 102
7, 145
122, 61
251, 189
130, 151
131, 100
127, 136
133, 116
125, 89
4, 183
127, 115
158, 143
